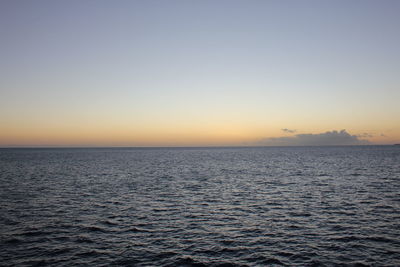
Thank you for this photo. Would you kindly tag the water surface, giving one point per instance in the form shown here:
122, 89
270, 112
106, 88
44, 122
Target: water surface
298, 206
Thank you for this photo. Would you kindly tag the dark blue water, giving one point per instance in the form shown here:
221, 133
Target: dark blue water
309, 206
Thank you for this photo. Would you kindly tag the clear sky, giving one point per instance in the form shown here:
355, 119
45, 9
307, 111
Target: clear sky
166, 73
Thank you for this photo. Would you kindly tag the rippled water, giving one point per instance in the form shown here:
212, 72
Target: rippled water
305, 206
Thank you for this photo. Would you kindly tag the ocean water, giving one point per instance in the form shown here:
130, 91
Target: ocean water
293, 206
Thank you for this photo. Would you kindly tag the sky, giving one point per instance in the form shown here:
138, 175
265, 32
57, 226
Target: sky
199, 73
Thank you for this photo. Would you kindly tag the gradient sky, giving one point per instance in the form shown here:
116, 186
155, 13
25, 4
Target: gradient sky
165, 73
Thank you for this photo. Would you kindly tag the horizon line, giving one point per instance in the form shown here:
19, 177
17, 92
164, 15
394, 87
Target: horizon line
218, 146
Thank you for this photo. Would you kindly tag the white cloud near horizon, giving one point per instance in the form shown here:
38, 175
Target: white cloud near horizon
286, 130
329, 138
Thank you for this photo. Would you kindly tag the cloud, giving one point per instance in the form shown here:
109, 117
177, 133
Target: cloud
286, 130
365, 135
330, 138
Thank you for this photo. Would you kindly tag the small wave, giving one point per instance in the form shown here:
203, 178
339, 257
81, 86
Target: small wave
13, 241
90, 253
284, 254
300, 214
315, 263
167, 254
83, 239
294, 227
303, 256
125, 262
227, 242
272, 261
35, 263
61, 238
339, 228
137, 230
349, 238
60, 251
94, 229
34, 233
109, 223
380, 239
262, 260
359, 264
228, 264
187, 262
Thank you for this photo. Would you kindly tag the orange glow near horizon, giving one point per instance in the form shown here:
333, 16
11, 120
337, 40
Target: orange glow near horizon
228, 134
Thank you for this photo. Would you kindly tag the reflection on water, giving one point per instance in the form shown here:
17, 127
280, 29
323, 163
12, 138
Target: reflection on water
200, 206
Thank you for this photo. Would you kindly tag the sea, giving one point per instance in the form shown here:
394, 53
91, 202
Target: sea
214, 206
